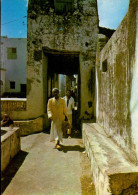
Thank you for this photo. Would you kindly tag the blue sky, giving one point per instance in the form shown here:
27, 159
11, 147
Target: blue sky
111, 13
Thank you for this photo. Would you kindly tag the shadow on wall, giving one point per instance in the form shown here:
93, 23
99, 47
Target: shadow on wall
11, 170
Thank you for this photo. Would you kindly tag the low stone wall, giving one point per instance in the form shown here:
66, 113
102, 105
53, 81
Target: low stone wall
13, 104
113, 172
29, 126
10, 145
15, 107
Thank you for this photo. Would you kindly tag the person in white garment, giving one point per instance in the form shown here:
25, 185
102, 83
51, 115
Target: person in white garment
56, 110
69, 102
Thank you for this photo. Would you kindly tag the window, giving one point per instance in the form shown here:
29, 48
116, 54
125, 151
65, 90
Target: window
11, 53
104, 66
12, 85
23, 88
62, 6
13, 50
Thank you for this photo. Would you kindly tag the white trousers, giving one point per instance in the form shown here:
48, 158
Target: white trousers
56, 130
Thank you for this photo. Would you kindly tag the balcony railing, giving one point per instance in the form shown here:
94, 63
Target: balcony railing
13, 104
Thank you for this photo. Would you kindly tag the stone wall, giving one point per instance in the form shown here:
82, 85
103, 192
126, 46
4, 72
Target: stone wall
28, 127
70, 32
10, 145
134, 88
15, 107
112, 170
13, 104
114, 69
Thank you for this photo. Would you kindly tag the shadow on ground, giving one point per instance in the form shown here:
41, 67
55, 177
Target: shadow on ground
75, 133
66, 149
11, 170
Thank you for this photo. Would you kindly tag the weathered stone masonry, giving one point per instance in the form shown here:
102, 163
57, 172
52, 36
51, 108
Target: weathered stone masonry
115, 70
70, 32
112, 142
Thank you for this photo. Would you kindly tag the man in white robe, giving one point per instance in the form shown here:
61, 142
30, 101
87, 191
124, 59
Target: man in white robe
69, 102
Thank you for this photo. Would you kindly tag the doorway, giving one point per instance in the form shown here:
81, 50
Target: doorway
63, 72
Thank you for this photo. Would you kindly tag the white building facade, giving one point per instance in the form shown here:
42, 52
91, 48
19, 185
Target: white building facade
13, 64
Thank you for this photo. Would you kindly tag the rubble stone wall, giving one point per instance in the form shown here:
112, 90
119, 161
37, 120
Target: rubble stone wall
74, 31
115, 70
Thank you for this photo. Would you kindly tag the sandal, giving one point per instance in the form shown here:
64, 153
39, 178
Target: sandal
58, 146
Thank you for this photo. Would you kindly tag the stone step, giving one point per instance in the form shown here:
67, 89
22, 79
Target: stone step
28, 127
113, 172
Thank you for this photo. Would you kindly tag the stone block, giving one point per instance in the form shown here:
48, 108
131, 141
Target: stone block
30, 126
5, 153
113, 171
15, 143
10, 145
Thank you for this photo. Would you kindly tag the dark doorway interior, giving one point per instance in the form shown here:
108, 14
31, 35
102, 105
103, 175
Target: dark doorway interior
66, 64
63, 63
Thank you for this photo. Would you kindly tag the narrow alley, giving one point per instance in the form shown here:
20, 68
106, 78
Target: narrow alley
40, 169
70, 71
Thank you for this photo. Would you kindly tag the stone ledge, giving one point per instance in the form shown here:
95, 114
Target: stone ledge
113, 172
10, 145
13, 104
28, 127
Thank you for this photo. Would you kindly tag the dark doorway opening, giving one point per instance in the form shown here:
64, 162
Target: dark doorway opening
63, 64
66, 64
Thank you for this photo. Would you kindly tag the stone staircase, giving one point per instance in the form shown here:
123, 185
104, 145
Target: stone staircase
112, 170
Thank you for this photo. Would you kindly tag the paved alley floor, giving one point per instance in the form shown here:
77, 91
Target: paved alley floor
40, 169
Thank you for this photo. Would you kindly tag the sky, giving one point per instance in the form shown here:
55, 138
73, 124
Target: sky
14, 12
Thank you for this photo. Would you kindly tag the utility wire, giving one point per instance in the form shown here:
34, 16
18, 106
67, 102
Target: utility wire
14, 20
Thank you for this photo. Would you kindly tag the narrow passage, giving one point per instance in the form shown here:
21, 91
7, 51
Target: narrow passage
40, 169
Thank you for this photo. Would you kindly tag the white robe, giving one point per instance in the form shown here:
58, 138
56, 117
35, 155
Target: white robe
56, 130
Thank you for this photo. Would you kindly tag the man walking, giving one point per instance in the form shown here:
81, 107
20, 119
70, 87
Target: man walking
69, 102
56, 110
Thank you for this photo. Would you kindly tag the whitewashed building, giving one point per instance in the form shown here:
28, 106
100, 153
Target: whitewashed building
13, 65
